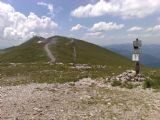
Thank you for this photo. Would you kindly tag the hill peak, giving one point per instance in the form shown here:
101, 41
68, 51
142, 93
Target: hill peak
62, 48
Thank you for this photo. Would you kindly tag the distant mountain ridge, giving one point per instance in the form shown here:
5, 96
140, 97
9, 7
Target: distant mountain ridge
86, 53
150, 53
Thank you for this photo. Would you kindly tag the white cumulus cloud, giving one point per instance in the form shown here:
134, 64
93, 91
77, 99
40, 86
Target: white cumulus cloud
103, 26
17, 26
123, 8
49, 6
134, 28
98, 9
77, 27
154, 29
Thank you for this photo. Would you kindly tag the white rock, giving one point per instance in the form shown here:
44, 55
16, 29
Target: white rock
39, 42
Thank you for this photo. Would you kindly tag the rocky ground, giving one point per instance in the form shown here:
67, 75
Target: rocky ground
85, 99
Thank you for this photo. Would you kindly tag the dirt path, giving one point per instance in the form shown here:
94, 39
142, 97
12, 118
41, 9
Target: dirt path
49, 53
74, 51
83, 100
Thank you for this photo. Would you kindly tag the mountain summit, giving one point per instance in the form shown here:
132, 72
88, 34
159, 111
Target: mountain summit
61, 49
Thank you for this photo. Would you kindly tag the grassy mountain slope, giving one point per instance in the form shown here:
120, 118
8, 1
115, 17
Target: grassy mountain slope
30, 51
87, 53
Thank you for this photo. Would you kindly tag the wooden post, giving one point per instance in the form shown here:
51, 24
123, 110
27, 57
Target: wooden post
137, 67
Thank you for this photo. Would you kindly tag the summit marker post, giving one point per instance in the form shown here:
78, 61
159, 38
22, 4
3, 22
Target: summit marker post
137, 44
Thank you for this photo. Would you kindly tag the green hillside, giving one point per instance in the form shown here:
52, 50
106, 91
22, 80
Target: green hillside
30, 51
87, 53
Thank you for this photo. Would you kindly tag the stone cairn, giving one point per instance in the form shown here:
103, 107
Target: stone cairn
129, 76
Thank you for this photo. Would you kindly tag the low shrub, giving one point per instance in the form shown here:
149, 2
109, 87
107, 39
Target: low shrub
116, 83
153, 82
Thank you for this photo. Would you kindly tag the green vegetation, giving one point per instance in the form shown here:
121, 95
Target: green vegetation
128, 85
31, 51
43, 72
153, 78
116, 83
153, 82
148, 83
87, 53
28, 63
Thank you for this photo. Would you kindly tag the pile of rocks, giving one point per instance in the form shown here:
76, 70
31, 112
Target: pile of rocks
129, 76
81, 66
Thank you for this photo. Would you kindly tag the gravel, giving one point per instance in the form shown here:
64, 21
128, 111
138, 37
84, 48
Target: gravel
85, 99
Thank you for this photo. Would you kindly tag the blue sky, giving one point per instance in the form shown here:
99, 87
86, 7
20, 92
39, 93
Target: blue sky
102, 22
